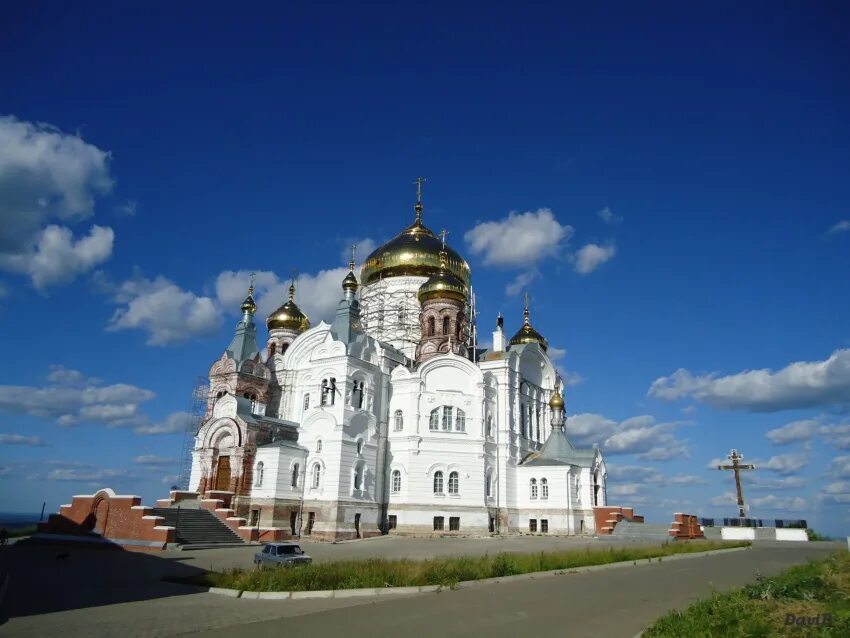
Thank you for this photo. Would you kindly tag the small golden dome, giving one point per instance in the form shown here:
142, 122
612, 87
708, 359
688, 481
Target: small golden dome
350, 282
414, 251
249, 305
557, 401
527, 334
288, 316
443, 285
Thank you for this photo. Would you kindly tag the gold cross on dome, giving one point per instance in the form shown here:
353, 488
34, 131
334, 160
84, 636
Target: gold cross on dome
526, 299
443, 234
419, 181
351, 261
252, 274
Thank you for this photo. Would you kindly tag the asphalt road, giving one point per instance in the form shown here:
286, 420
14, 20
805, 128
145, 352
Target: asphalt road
613, 603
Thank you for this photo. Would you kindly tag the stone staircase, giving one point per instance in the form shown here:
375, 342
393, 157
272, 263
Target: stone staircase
198, 527
630, 531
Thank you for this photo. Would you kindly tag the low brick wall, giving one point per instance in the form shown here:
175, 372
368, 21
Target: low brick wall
123, 520
607, 517
685, 527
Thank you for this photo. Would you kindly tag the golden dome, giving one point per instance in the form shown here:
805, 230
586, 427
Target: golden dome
443, 285
350, 282
249, 305
288, 316
557, 401
414, 251
527, 334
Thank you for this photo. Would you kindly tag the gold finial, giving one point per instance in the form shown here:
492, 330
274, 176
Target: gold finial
418, 208
525, 313
251, 274
293, 274
351, 261
444, 256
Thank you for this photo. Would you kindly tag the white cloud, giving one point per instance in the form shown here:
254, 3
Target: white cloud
152, 459
520, 283
45, 174
625, 489
520, 239
21, 439
608, 216
685, 479
726, 498
794, 432
840, 227
758, 482
773, 502
837, 435
839, 467
803, 384
837, 492
172, 424
589, 257
57, 257
127, 209
636, 435
784, 464
166, 312
87, 474
365, 247
113, 405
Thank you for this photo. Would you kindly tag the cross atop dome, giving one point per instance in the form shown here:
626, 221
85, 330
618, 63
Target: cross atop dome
418, 207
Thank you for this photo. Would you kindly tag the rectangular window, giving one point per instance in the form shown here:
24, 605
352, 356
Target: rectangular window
532, 525
454, 523
311, 520
460, 423
434, 423
438, 523
255, 518
544, 525
392, 521
522, 420
306, 401
447, 417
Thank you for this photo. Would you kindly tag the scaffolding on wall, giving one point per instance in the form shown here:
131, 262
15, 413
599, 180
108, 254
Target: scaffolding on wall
197, 412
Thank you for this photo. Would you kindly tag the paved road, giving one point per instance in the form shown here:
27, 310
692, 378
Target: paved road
104, 593
613, 603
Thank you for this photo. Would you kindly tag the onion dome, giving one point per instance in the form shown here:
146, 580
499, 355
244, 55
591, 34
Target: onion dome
557, 401
527, 334
350, 282
289, 315
444, 284
414, 251
249, 305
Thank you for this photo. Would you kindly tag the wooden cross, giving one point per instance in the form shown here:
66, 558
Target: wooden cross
736, 467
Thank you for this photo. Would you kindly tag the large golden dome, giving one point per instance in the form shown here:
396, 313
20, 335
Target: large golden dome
288, 316
414, 251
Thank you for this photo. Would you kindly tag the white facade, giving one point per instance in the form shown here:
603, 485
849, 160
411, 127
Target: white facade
345, 435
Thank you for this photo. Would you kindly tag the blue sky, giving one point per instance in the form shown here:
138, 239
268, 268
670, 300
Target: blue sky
668, 183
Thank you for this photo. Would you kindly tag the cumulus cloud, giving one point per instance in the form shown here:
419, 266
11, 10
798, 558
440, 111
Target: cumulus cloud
784, 464
839, 467
794, 432
624, 489
127, 209
167, 313
636, 435
803, 384
87, 474
590, 256
172, 424
758, 482
773, 502
840, 227
837, 435
152, 459
58, 257
649, 475
726, 498
836, 492
520, 239
21, 439
47, 175
364, 248
113, 405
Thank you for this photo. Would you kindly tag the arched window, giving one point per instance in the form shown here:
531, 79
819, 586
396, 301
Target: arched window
272, 349
522, 420
306, 402
358, 476
319, 446
431, 327
357, 395
434, 422
446, 322
398, 423
317, 475
533, 488
454, 483
220, 394
438, 482
396, 483
447, 417
359, 447
325, 396
489, 425
259, 481
544, 488
295, 470
460, 422
488, 485
284, 348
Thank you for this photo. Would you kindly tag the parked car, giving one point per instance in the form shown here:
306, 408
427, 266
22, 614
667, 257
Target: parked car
277, 554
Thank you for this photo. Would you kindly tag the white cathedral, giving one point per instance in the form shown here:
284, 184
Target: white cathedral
390, 419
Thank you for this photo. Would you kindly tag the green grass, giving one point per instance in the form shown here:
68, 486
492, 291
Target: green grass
15, 532
378, 572
760, 610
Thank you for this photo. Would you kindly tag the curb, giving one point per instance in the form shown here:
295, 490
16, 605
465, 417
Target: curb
466, 584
